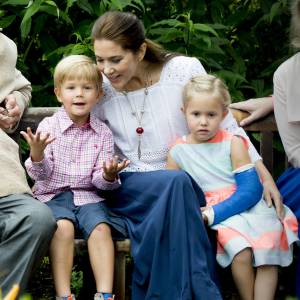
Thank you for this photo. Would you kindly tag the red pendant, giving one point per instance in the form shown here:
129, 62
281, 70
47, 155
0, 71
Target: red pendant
139, 130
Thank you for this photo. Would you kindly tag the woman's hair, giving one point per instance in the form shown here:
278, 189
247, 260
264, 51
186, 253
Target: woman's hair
295, 24
207, 84
77, 67
127, 30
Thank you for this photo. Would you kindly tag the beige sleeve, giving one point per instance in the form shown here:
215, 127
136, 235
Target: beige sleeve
22, 95
289, 131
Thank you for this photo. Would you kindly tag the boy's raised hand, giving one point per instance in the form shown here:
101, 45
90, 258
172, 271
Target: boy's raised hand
37, 142
112, 167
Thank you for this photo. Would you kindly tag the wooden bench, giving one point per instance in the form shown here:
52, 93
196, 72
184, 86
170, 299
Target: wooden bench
266, 127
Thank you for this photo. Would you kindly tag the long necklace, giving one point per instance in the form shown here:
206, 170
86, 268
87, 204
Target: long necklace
139, 118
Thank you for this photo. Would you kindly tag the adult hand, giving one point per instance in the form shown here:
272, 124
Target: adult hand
37, 143
112, 167
272, 196
10, 113
257, 108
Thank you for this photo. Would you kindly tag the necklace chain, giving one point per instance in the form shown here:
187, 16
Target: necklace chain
138, 114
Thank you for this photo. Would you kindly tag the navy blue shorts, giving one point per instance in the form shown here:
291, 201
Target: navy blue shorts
85, 217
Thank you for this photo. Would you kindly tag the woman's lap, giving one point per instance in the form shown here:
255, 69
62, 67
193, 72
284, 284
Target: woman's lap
172, 253
289, 186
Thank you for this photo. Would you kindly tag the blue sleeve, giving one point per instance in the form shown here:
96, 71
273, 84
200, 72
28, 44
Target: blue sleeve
248, 193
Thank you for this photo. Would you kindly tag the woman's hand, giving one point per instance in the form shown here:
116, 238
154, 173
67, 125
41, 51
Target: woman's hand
257, 108
37, 143
10, 112
272, 196
112, 167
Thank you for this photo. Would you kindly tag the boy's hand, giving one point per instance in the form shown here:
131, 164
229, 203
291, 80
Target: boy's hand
37, 143
112, 167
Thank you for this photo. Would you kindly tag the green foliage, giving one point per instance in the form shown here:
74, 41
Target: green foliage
241, 41
76, 281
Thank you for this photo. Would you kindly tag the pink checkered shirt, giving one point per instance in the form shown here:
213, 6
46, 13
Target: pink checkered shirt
73, 161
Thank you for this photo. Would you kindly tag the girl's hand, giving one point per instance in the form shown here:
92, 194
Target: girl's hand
272, 196
112, 167
204, 216
37, 143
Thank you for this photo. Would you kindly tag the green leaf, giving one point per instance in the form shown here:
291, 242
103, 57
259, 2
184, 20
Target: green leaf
218, 26
121, 4
70, 4
201, 38
56, 12
26, 21
205, 28
16, 2
85, 5
6, 21
49, 10
231, 78
25, 28
168, 22
258, 85
167, 34
141, 4
275, 9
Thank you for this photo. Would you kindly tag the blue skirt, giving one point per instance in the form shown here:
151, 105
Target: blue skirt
173, 258
289, 186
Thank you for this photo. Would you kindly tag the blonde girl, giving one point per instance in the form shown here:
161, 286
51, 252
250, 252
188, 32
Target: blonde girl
249, 234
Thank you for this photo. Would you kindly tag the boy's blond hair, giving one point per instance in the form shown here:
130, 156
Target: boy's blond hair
207, 84
78, 67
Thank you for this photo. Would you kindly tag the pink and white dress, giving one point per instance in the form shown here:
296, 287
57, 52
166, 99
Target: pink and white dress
257, 228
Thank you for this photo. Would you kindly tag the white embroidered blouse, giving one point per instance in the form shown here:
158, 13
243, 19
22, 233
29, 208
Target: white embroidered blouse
163, 121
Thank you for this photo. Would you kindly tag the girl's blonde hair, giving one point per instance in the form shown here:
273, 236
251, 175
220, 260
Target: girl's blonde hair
295, 24
77, 67
207, 84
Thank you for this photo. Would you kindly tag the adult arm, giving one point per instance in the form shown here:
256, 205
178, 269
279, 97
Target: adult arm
14, 104
257, 108
289, 129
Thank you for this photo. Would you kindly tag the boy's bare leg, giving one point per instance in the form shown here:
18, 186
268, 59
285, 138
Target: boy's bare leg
61, 256
101, 252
